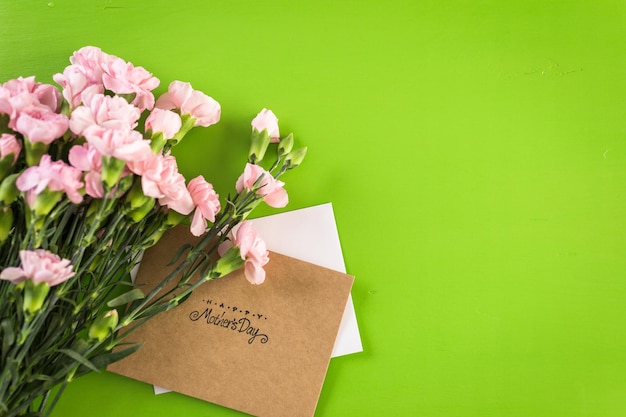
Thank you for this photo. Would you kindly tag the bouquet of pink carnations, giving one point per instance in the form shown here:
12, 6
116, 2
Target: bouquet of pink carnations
85, 188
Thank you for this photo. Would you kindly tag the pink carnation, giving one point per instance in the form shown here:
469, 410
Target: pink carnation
40, 266
48, 95
83, 78
5, 103
25, 95
177, 93
78, 86
20, 85
252, 249
9, 145
180, 95
206, 201
87, 158
267, 120
45, 94
13, 105
165, 121
124, 78
54, 176
123, 145
176, 195
40, 124
270, 188
105, 112
91, 59
160, 179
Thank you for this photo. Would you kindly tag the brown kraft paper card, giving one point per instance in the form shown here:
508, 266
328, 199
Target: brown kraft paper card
263, 350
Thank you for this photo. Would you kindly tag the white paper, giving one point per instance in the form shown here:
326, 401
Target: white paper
310, 234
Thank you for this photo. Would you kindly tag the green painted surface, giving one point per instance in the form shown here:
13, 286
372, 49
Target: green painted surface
475, 154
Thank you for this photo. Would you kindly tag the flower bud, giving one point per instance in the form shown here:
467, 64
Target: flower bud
295, 157
10, 149
285, 145
267, 120
10, 145
6, 164
102, 326
259, 141
6, 223
8, 190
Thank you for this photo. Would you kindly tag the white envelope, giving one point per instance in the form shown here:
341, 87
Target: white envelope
310, 234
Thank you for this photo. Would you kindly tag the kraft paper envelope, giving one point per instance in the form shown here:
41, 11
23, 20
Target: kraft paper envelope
310, 234
262, 350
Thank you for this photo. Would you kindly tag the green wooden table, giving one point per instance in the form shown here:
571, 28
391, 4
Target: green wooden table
475, 155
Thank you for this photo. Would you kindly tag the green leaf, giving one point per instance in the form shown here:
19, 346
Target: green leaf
104, 360
126, 298
79, 358
8, 335
33, 414
179, 253
42, 377
11, 366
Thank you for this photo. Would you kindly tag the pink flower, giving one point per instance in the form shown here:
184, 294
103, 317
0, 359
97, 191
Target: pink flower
25, 95
252, 250
44, 94
20, 85
203, 108
40, 124
13, 105
9, 145
40, 266
177, 93
181, 95
125, 145
48, 95
267, 120
92, 70
150, 171
87, 158
78, 86
124, 78
5, 103
105, 112
91, 59
83, 78
54, 176
176, 195
164, 121
270, 188
160, 179
207, 204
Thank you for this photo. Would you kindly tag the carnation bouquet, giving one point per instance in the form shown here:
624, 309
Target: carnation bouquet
87, 183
